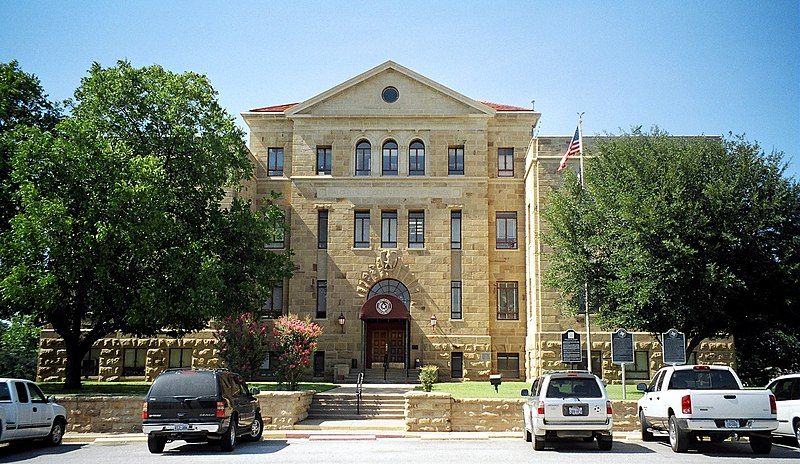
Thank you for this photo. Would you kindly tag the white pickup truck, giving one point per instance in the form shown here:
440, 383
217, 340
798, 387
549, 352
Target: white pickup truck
25, 413
691, 402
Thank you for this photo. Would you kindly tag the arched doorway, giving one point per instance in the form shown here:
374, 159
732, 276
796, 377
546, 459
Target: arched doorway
386, 320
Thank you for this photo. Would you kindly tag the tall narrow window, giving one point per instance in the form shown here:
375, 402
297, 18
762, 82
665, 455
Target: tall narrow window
416, 229
507, 307
456, 364
322, 228
363, 157
455, 230
273, 307
416, 158
275, 161
505, 162
324, 160
455, 299
389, 159
361, 226
389, 229
322, 299
506, 230
455, 161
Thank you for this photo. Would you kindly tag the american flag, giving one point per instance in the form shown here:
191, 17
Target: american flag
573, 149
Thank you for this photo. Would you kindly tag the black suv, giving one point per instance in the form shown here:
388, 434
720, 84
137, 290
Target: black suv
198, 406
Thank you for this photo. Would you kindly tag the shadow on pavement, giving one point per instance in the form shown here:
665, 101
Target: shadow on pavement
572, 446
24, 450
204, 449
735, 449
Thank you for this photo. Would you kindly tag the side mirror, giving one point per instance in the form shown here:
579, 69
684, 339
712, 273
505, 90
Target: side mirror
254, 391
524, 392
51, 399
605, 384
642, 387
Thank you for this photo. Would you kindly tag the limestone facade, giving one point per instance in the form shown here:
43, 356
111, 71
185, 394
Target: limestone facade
481, 163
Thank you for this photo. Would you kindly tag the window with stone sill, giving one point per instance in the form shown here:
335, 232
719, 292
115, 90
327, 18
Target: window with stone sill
273, 306
456, 364
361, 229
506, 232
389, 229
180, 357
416, 158
363, 158
505, 162
275, 161
507, 305
455, 161
416, 229
390, 159
508, 365
133, 362
324, 160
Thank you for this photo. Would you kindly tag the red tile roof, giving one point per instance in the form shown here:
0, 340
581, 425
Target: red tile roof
286, 106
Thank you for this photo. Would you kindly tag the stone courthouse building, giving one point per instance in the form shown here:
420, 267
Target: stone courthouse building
414, 216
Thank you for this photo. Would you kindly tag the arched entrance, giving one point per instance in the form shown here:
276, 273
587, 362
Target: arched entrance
386, 320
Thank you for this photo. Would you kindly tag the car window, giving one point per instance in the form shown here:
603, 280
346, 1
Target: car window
242, 387
36, 393
22, 392
184, 383
5, 394
708, 379
782, 389
796, 389
659, 380
570, 387
534, 386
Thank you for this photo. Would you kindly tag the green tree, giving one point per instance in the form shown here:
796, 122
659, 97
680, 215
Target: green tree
22, 103
695, 233
19, 346
120, 226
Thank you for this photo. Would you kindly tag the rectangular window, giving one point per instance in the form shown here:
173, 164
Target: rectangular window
275, 161
455, 230
322, 299
416, 229
389, 229
278, 239
90, 366
133, 360
322, 229
505, 162
507, 308
456, 364
508, 365
273, 307
640, 369
324, 160
361, 229
180, 357
455, 299
506, 238
455, 161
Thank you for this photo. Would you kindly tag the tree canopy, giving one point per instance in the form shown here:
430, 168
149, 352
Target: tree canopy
696, 233
120, 226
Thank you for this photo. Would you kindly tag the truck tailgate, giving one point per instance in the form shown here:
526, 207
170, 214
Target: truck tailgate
730, 404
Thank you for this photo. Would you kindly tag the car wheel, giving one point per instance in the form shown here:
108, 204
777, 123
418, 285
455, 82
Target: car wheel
538, 443
228, 440
155, 443
678, 439
256, 429
646, 434
56, 433
604, 443
797, 431
761, 444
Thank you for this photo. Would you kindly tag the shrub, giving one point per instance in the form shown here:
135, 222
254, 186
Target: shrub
294, 342
428, 376
243, 343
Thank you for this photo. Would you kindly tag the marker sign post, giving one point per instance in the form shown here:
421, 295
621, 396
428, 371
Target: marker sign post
622, 352
673, 346
571, 352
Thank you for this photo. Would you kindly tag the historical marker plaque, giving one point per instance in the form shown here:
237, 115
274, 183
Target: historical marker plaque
673, 344
571, 352
622, 347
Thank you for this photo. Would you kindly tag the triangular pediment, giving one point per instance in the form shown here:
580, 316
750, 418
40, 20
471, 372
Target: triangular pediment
361, 96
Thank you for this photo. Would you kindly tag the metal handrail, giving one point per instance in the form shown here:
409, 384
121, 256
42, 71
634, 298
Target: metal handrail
359, 387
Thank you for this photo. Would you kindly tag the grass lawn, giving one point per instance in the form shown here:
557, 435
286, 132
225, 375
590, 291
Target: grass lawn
512, 390
91, 388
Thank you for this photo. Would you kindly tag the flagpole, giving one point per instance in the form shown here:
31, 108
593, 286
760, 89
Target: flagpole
585, 284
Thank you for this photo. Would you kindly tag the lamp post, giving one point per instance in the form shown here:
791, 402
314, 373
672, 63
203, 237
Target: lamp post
342, 320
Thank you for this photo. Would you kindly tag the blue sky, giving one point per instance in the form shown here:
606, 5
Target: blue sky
690, 68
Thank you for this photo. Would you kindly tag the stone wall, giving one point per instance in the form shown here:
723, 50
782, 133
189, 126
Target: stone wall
122, 414
439, 412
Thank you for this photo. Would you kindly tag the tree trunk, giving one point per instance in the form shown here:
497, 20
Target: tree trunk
72, 372
692, 345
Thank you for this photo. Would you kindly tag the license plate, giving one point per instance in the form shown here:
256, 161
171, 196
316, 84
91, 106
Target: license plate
731, 424
575, 411
181, 427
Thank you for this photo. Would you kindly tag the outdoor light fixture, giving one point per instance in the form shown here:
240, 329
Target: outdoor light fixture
342, 320
433, 321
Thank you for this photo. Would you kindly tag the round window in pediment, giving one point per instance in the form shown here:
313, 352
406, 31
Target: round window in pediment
390, 94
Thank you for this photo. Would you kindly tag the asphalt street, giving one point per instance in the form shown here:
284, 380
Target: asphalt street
368, 449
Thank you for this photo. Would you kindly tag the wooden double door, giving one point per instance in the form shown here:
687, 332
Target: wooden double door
386, 337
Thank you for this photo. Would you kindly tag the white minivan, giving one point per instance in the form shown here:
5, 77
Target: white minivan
25, 413
787, 395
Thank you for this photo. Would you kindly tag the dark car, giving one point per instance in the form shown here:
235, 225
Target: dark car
198, 406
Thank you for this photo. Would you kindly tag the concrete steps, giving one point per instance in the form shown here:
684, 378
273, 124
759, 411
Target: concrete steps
344, 406
375, 376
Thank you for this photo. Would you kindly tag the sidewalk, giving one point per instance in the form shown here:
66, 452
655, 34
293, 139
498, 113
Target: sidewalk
123, 438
